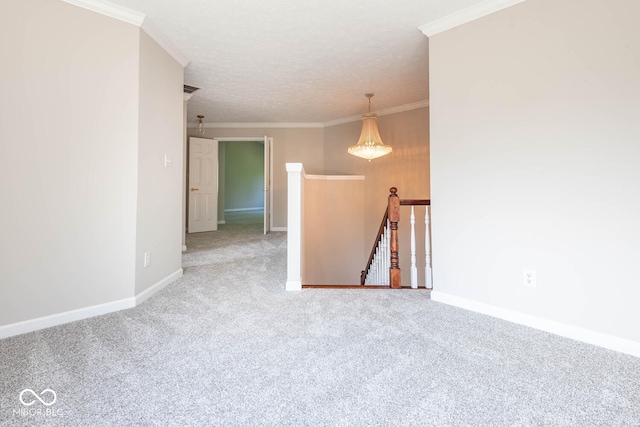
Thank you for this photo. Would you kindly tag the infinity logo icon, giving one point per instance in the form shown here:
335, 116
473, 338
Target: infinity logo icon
30, 402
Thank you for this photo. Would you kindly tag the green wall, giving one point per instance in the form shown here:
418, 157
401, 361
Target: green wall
243, 175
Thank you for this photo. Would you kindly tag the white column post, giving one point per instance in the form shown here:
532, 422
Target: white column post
414, 269
295, 236
427, 250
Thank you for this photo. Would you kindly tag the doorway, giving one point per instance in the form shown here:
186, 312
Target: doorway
243, 169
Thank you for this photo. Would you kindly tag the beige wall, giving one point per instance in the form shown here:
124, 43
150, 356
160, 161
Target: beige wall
68, 159
535, 152
159, 211
82, 151
406, 168
334, 240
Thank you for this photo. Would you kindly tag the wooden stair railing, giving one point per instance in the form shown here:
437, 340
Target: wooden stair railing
389, 229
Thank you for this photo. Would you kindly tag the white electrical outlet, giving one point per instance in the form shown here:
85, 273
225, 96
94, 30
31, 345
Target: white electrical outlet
147, 258
528, 278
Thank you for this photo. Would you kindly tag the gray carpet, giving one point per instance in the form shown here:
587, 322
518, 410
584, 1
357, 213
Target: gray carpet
227, 346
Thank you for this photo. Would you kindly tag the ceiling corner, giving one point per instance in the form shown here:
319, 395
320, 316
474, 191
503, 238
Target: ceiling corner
465, 15
109, 9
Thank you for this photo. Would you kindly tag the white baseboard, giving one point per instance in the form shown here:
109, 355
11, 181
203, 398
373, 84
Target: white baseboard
31, 325
65, 317
293, 285
244, 209
590, 337
152, 290
222, 222
278, 228
184, 248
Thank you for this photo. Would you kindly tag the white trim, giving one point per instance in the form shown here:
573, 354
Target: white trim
138, 19
385, 112
465, 15
591, 337
278, 228
187, 96
236, 138
244, 209
293, 285
184, 248
65, 317
257, 125
111, 10
336, 177
157, 287
221, 221
295, 221
164, 42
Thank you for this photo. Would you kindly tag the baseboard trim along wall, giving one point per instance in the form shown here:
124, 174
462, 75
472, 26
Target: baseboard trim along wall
32, 325
278, 229
244, 209
157, 287
568, 331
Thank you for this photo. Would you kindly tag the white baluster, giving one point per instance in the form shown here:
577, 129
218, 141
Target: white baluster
427, 251
378, 266
414, 269
383, 258
387, 255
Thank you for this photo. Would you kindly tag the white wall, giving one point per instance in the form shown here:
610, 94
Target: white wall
535, 150
159, 213
68, 158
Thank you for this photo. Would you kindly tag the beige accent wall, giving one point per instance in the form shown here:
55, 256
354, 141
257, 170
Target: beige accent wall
333, 230
68, 159
406, 168
535, 152
160, 134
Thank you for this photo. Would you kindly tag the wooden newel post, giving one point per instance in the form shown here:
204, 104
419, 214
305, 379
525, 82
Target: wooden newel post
394, 217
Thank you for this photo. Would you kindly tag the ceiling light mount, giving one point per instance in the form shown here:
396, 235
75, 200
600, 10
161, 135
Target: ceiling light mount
370, 145
201, 130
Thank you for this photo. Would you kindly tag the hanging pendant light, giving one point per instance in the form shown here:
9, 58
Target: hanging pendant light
370, 145
200, 131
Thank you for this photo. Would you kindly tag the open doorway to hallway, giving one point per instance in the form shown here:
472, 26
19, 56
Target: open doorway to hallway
241, 180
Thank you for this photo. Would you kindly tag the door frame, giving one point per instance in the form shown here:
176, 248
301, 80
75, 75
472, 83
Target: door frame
240, 139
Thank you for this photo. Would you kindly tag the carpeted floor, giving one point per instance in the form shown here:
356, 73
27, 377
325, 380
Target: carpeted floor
226, 346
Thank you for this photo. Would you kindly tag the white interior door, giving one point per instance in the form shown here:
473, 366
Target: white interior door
203, 185
267, 183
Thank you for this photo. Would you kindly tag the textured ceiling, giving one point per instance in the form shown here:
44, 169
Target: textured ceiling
291, 61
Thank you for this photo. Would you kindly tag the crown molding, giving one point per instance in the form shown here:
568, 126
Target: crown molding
466, 15
138, 19
257, 125
385, 112
164, 42
110, 9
